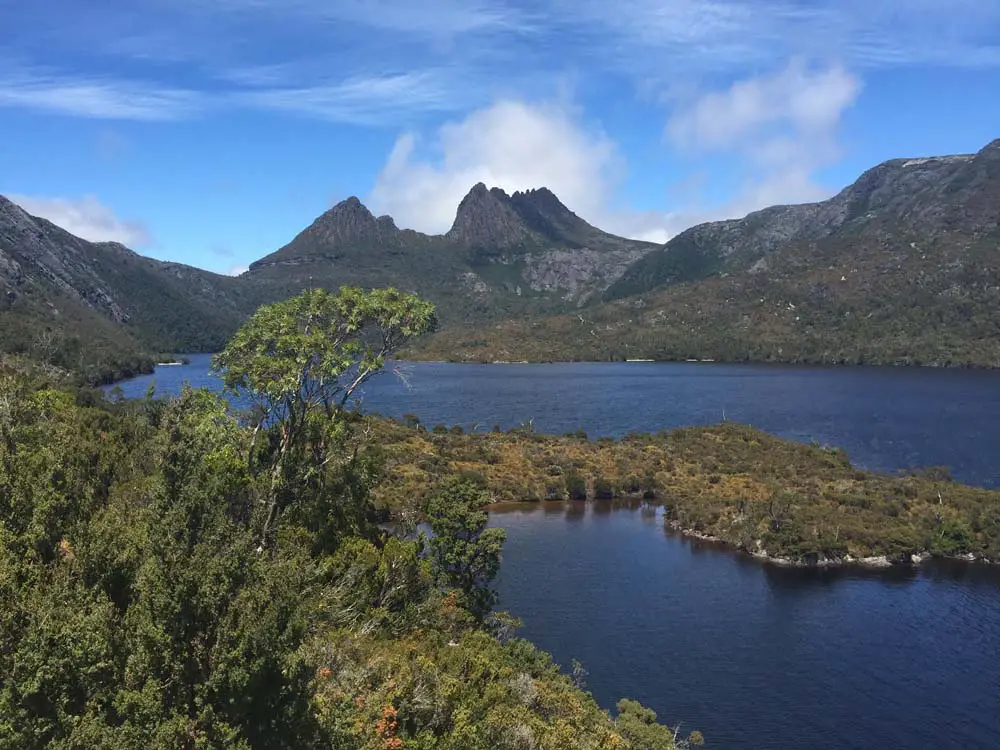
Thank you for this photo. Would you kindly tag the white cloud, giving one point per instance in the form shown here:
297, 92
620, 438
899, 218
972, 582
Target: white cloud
782, 127
511, 144
779, 129
806, 101
237, 270
86, 217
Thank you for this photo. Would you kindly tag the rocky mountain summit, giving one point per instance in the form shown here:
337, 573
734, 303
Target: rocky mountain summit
525, 252
486, 220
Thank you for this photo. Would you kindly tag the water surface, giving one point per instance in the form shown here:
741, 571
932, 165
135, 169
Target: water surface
885, 418
757, 656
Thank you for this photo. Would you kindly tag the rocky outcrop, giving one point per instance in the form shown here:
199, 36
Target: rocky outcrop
819, 559
486, 220
500, 251
577, 274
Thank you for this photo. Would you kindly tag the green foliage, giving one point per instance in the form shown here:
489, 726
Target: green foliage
136, 611
834, 301
638, 725
466, 553
301, 361
317, 348
576, 486
729, 481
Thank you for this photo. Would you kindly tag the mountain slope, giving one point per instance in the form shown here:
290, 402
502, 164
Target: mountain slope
504, 255
99, 308
929, 196
903, 266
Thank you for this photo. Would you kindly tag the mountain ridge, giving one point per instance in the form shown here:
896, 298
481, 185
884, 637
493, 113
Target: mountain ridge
899, 266
503, 255
85, 306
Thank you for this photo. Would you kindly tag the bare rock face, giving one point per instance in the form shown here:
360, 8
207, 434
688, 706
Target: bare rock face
34, 247
577, 274
351, 223
49, 270
500, 249
486, 219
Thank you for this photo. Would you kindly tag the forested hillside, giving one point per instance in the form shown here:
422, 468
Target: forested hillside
101, 310
899, 268
174, 576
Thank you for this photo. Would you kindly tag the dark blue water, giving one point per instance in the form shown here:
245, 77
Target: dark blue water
757, 656
885, 418
753, 656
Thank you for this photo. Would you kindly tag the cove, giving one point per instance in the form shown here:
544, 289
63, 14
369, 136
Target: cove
751, 654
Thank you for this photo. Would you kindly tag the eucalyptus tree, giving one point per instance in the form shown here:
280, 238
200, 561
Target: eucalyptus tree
301, 361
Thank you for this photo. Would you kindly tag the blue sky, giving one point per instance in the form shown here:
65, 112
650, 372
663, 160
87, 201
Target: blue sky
212, 131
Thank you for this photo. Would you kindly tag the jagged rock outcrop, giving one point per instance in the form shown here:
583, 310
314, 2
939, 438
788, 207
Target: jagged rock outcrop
487, 219
901, 267
504, 253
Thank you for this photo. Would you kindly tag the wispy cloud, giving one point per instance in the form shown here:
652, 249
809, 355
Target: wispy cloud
373, 100
97, 98
167, 59
364, 101
723, 35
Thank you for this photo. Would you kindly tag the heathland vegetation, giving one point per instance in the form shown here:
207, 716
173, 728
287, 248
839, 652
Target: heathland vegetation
767, 496
174, 575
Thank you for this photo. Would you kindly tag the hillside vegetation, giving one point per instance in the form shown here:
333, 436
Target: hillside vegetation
898, 268
172, 576
101, 310
767, 496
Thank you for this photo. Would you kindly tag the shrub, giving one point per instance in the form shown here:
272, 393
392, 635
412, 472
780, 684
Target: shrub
603, 489
576, 486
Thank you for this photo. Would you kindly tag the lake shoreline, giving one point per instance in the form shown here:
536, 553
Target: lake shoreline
877, 562
910, 561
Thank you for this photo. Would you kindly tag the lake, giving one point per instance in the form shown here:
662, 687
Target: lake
752, 655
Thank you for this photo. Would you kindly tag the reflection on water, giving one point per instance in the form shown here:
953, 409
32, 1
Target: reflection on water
753, 655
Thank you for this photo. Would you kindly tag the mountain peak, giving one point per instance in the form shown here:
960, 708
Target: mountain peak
350, 206
350, 222
485, 217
